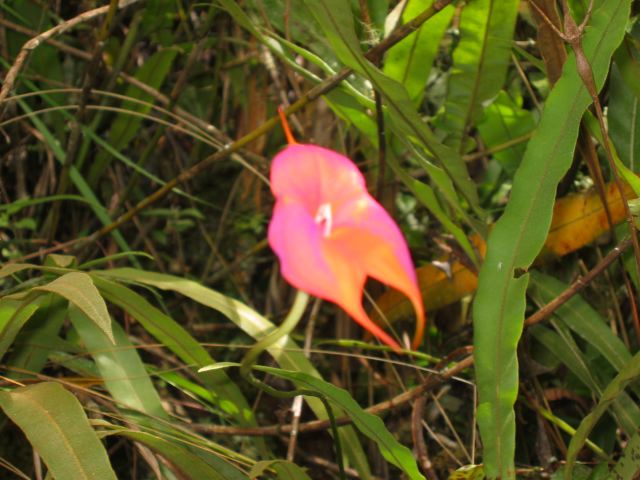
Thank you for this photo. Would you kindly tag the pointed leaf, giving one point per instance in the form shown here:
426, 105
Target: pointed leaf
286, 352
13, 315
480, 62
78, 288
120, 366
336, 19
520, 234
55, 424
409, 61
628, 374
180, 342
368, 424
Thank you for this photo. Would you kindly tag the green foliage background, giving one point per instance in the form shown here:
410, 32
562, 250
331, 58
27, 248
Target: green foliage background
135, 147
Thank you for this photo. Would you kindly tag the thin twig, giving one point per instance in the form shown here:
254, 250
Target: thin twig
315, 92
35, 42
578, 285
436, 378
418, 438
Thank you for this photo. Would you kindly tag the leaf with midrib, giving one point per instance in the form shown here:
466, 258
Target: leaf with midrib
55, 424
520, 234
78, 288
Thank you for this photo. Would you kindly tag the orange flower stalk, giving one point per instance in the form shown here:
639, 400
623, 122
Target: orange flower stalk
330, 234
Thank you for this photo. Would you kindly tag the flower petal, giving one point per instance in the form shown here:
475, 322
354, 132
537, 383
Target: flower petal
297, 241
347, 292
362, 240
315, 175
374, 245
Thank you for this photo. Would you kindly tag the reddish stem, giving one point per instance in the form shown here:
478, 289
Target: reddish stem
285, 126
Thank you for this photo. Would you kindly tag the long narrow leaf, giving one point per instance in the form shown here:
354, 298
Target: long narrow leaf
120, 366
409, 62
628, 374
179, 341
519, 235
369, 424
480, 62
286, 352
336, 20
13, 315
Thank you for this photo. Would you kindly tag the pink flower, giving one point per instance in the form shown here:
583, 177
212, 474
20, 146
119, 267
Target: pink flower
330, 234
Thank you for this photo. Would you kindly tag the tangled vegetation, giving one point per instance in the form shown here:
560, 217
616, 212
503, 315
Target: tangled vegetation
137, 270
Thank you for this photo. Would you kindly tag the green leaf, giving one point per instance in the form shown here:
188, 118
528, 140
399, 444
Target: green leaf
125, 126
480, 63
286, 352
13, 315
285, 470
180, 342
188, 463
35, 343
409, 61
12, 268
520, 234
336, 19
583, 320
629, 373
78, 288
120, 366
505, 121
623, 119
562, 345
368, 424
55, 424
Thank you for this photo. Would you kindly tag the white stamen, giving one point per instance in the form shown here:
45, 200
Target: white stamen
323, 217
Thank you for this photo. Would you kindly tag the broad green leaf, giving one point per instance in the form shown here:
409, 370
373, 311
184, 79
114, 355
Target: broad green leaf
180, 342
519, 235
119, 365
480, 63
628, 374
13, 315
78, 288
504, 120
368, 424
125, 127
409, 61
285, 470
336, 19
286, 352
55, 424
